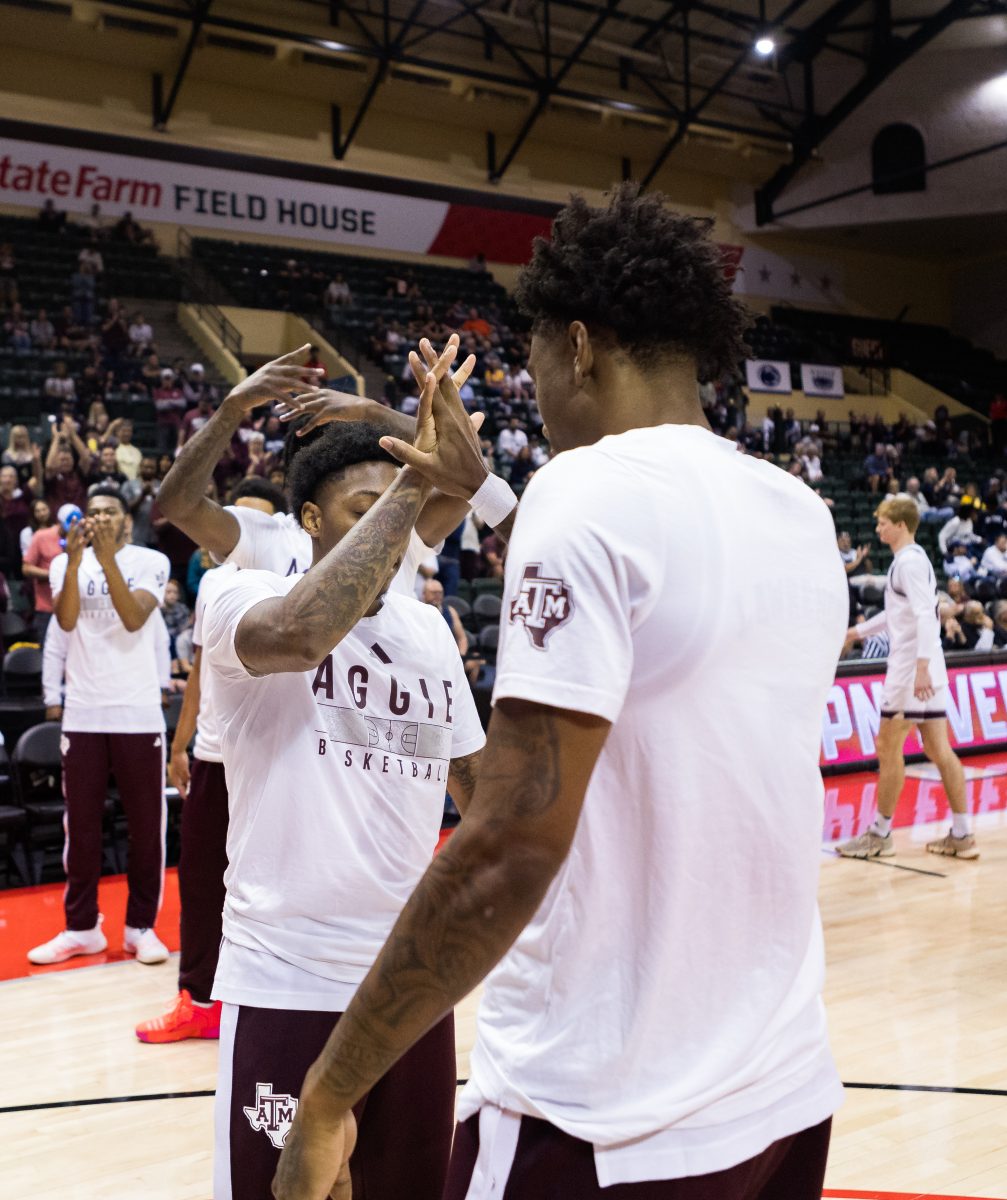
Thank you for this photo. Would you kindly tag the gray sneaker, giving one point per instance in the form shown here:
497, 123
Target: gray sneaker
955, 847
868, 845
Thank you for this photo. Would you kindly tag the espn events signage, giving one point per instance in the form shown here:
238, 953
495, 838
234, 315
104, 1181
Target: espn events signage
153, 189
977, 714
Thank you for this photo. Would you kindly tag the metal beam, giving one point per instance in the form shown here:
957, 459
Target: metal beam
377, 79
814, 131
164, 109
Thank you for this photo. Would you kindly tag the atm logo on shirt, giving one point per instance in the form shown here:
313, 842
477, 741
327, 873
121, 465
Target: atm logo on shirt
541, 605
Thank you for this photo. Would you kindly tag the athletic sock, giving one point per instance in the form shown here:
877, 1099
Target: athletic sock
203, 1003
961, 824
882, 825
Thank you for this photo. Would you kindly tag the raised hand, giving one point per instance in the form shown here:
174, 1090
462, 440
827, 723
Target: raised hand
275, 380
78, 538
103, 540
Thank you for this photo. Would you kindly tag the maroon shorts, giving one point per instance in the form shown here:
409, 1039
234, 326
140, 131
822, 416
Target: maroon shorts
548, 1164
403, 1124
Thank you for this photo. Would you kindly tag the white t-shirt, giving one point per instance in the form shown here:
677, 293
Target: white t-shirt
113, 678
278, 543
207, 744
56, 644
336, 779
994, 560
910, 616
665, 1001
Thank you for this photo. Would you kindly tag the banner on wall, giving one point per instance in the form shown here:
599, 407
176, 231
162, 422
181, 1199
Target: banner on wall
822, 381
764, 375
154, 189
977, 714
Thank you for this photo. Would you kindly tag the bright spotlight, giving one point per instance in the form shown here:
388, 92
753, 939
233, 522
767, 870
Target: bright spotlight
765, 46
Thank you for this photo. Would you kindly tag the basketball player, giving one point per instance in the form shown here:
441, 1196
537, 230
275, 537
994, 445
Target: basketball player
654, 1020
106, 593
203, 859
344, 711
915, 691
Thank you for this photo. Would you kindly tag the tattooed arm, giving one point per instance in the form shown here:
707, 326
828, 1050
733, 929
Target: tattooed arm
296, 631
466, 912
462, 776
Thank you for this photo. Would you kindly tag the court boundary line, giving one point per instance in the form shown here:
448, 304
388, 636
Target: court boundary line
880, 1087
831, 853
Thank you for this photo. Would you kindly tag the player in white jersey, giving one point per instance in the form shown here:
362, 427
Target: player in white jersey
915, 691
344, 711
640, 860
105, 595
203, 790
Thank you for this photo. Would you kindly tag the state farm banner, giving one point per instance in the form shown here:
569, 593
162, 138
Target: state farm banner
977, 714
822, 381
154, 189
764, 375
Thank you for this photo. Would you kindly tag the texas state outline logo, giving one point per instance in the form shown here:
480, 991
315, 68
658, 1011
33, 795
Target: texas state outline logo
543, 603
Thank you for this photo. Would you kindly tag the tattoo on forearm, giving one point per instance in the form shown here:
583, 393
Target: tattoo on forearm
185, 484
466, 770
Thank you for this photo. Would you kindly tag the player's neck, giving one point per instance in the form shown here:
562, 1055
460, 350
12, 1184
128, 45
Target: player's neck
643, 399
897, 544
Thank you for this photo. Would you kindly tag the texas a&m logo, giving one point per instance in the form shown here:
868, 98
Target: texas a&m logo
272, 1115
541, 605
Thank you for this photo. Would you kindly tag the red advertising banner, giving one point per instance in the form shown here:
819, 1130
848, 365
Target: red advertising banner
977, 714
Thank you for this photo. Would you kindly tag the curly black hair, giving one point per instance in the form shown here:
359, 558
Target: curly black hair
108, 489
652, 278
261, 489
341, 445
293, 445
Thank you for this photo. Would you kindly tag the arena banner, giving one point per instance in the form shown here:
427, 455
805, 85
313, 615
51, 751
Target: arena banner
977, 714
762, 375
227, 200
825, 381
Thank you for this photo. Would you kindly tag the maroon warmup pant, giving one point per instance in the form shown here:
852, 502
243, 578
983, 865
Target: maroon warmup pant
551, 1165
403, 1123
201, 870
137, 762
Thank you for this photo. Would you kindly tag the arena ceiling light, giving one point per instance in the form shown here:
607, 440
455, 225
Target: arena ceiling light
764, 45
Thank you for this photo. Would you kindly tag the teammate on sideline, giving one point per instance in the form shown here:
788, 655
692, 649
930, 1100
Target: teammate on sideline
203, 790
915, 690
655, 1018
344, 710
106, 593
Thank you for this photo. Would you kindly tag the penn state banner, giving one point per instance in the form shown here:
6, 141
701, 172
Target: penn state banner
819, 380
765, 375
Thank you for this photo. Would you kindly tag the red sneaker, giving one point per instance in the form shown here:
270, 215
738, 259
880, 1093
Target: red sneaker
185, 1020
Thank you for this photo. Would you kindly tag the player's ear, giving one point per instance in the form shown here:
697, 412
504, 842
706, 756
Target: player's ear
311, 519
583, 352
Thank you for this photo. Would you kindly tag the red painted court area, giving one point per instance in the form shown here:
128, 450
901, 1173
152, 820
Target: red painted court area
846, 1194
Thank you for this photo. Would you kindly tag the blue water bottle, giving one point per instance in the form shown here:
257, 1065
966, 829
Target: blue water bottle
68, 516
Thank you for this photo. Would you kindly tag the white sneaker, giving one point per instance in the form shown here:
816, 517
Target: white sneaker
145, 944
69, 944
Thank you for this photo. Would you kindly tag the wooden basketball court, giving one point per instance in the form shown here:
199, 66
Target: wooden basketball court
917, 970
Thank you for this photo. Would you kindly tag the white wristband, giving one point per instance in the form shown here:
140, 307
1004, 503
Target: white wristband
494, 501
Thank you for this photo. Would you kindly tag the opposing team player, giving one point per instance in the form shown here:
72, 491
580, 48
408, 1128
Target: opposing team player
915, 690
344, 712
655, 1021
106, 593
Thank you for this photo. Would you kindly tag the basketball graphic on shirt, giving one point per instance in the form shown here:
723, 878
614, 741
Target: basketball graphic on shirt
541, 605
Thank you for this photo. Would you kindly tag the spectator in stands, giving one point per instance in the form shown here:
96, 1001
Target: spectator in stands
94, 223
59, 385
195, 419
150, 373
114, 336
8, 276
998, 421
809, 459
164, 464
852, 559
25, 457
43, 547
140, 494
82, 296
89, 260
105, 470
141, 335
972, 630
511, 441
127, 456
959, 529
493, 550
96, 425
928, 514
476, 324
315, 363
50, 219
43, 335
169, 404
15, 506
1000, 624
178, 618
41, 516
65, 474
993, 523
433, 594
69, 334
877, 469
337, 297
994, 559
17, 331
260, 461
199, 563
128, 230
959, 564
522, 469
273, 432
196, 387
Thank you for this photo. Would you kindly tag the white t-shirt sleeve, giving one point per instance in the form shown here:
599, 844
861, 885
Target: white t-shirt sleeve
576, 579
915, 581
54, 651
162, 647
150, 574
222, 614
57, 573
467, 732
253, 527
